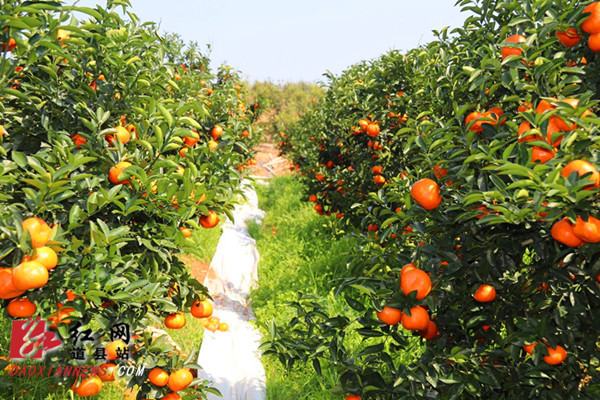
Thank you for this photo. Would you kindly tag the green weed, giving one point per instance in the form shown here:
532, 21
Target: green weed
297, 256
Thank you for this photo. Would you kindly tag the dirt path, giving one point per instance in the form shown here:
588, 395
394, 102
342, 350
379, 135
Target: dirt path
199, 269
269, 163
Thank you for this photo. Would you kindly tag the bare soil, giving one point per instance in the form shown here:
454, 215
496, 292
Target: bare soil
269, 163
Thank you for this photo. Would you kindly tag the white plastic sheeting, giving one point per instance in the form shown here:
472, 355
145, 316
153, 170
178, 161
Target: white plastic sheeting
231, 359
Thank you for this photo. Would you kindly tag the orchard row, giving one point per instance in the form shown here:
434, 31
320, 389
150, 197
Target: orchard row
468, 169
116, 143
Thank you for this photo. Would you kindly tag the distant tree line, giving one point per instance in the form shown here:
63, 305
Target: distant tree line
281, 105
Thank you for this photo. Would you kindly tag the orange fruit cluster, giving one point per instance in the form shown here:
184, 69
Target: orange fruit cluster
585, 229
412, 280
32, 272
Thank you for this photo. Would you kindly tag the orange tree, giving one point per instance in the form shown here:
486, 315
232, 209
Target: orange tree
471, 160
108, 146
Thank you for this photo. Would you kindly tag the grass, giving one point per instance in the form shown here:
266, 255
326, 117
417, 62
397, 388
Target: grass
201, 246
203, 243
297, 255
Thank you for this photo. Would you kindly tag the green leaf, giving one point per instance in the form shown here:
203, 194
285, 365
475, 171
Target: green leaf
166, 114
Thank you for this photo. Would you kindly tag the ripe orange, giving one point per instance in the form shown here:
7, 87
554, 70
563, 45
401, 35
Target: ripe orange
78, 140
555, 356
562, 231
372, 227
115, 349
158, 377
175, 321
180, 379
510, 51
201, 199
588, 231
223, 326
485, 293
216, 132
494, 113
38, 230
573, 102
524, 128
193, 139
187, 232
475, 116
171, 396
592, 22
372, 130
29, 275
582, 167
7, 287
21, 308
363, 123
417, 320
46, 256
415, 279
352, 397
552, 139
12, 44
426, 192
201, 309
61, 317
431, 332
545, 105
529, 348
320, 177
212, 326
379, 179
594, 42
389, 315
122, 134
209, 221
568, 38
71, 296
213, 144
439, 171
114, 172
61, 35
540, 154
88, 386
312, 198
406, 268
107, 372
377, 170
524, 107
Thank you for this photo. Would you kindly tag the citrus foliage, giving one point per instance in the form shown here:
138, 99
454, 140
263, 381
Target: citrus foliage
108, 140
451, 157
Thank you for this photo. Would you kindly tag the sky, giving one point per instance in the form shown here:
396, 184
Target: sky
297, 40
